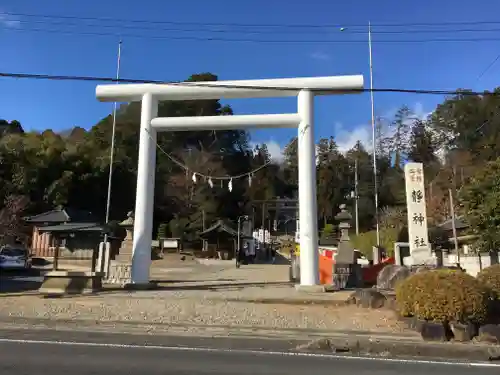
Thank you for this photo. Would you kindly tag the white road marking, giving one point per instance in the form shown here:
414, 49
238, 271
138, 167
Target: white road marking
255, 352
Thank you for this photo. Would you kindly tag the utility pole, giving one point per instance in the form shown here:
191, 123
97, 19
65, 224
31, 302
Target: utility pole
453, 226
104, 247
113, 133
356, 194
263, 225
374, 143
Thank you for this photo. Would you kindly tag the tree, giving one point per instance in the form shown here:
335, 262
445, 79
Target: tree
481, 205
13, 127
71, 167
401, 127
291, 163
365, 184
393, 217
422, 146
12, 225
333, 186
470, 122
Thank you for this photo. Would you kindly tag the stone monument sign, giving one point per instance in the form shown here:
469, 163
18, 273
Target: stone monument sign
418, 237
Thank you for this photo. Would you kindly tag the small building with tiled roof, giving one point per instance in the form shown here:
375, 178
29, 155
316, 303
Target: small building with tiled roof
48, 227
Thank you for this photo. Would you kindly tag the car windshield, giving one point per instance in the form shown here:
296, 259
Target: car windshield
13, 252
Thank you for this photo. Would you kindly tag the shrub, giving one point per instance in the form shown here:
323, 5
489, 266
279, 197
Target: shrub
490, 277
443, 296
365, 241
328, 234
162, 230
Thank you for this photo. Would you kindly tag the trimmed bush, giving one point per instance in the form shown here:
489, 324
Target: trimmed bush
490, 277
443, 296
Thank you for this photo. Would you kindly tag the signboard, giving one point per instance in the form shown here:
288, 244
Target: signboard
417, 215
170, 244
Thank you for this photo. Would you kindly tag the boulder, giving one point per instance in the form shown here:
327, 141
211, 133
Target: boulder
367, 298
463, 332
489, 333
390, 275
412, 323
435, 331
418, 269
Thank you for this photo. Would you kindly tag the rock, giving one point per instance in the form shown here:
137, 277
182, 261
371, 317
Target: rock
412, 322
419, 269
489, 333
463, 332
390, 275
367, 298
324, 345
391, 303
435, 331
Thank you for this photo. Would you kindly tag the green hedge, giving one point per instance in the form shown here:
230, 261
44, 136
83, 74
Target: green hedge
443, 295
490, 277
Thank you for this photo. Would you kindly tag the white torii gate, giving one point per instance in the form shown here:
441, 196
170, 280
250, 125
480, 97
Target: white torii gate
150, 94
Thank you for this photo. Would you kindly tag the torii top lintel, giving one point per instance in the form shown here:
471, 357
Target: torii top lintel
260, 88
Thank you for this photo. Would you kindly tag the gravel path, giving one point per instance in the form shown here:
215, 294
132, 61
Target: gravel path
207, 296
200, 312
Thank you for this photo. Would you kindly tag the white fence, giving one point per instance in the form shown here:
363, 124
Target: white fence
472, 264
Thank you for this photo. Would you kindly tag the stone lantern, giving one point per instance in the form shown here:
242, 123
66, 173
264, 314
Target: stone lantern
346, 271
344, 218
121, 267
125, 252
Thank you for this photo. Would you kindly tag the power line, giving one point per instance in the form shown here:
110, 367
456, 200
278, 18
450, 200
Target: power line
121, 35
488, 67
179, 28
205, 84
232, 24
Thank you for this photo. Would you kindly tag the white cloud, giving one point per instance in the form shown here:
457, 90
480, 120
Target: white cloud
321, 56
347, 138
274, 148
9, 21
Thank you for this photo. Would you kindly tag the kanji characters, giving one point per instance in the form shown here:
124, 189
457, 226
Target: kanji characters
417, 196
418, 219
419, 242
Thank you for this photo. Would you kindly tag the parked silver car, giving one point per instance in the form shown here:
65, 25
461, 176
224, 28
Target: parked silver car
15, 257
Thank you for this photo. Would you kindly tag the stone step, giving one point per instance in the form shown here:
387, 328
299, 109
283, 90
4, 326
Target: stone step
125, 258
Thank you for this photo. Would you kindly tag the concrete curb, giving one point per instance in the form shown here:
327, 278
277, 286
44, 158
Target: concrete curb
401, 348
286, 301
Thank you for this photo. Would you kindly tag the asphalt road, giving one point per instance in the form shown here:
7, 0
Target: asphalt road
59, 353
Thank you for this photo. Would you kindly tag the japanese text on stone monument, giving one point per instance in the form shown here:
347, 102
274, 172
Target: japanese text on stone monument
415, 201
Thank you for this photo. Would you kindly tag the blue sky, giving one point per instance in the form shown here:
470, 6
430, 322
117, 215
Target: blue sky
61, 105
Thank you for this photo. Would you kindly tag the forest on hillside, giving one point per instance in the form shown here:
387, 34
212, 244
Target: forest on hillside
459, 144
